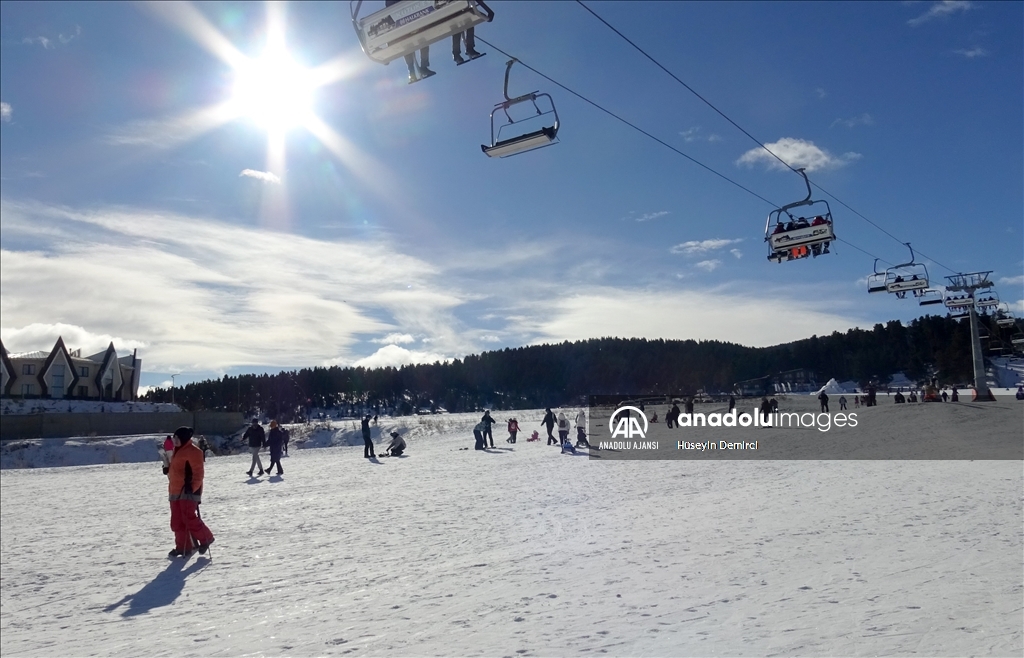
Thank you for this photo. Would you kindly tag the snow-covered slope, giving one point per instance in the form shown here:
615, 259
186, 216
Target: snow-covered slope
523, 551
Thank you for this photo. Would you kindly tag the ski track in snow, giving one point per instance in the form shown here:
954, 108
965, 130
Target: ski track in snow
524, 551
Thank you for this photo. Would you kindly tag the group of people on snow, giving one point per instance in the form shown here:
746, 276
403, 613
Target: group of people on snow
276, 440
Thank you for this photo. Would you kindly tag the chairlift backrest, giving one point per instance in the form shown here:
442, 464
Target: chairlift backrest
521, 142
407, 26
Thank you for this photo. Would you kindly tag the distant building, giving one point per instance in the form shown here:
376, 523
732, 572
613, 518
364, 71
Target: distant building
800, 380
60, 374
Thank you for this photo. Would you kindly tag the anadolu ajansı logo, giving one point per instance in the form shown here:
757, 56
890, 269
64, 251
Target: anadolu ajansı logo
628, 426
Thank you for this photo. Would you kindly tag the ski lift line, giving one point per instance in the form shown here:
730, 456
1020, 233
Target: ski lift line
688, 87
741, 129
866, 253
628, 123
854, 211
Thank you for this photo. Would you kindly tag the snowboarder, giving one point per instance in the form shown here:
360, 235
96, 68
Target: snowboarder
823, 399
185, 492
487, 420
256, 438
367, 441
549, 422
275, 441
396, 447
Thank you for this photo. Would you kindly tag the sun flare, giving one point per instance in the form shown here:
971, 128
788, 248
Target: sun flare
274, 91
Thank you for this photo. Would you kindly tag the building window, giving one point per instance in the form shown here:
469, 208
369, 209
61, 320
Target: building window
28, 369
83, 371
83, 391
26, 389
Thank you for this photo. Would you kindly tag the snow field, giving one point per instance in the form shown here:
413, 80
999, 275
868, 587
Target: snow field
523, 551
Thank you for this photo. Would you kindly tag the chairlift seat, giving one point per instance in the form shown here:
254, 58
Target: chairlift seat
538, 139
801, 237
959, 302
905, 285
876, 283
408, 26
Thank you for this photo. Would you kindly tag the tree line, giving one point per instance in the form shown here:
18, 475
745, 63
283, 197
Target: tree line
566, 373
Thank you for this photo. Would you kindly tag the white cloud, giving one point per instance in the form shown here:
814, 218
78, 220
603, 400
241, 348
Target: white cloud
745, 318
168, 132
42, 41
646, 217
396, 357
5, 112
265, 176
797, 153
862, 120
188, 288
696, 133
40, 336
708, 265
1012, 280
941, 9
68, 38
977, 51
736, 252
395, 339
702, 246
1017, 307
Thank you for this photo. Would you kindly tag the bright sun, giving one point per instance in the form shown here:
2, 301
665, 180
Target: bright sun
274, 91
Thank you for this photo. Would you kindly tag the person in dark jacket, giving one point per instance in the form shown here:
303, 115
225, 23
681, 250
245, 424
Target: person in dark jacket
732, 402
766, 411
823, 398
256, 438
397, 445
689, 408
488, 421
185, 493
672, 417
549, 422
367, 441
275, 441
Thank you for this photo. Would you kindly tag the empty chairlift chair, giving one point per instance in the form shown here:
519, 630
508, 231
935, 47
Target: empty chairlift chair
929, 297
526, 133
799, 237
406, 27
877, 280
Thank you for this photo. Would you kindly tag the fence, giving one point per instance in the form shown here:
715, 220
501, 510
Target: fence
61, 425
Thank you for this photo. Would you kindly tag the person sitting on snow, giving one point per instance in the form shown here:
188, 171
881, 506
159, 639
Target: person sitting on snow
396, 447
567, 446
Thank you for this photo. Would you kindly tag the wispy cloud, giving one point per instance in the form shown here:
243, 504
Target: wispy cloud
168, 132
1012, 280
736, 252
941, 10
395, 339
5, 112
265, 176
708, 265
71, 36
42, 41
820, 92
797, 153
972, 53
702, 246
648, 216
696, 133
862, 120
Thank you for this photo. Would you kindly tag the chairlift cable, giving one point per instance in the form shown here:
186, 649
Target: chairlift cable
657, 139
628, 123
742, 130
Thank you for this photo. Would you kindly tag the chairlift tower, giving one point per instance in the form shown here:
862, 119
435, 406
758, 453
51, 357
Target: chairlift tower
969, 284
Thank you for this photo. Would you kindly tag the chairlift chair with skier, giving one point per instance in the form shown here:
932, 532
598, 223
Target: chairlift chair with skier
511, 138
987, 300
907, 277
406, 27
798, 237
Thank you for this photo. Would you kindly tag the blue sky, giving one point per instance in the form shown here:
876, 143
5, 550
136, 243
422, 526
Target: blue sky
134, 208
